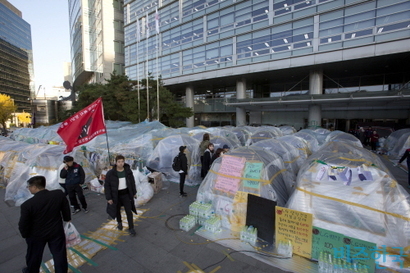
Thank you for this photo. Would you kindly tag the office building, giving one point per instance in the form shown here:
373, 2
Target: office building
331, 63
97, 40
16, 57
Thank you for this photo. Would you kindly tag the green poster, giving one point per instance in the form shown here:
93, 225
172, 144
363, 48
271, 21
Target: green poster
252, 170
360, 252
324, 240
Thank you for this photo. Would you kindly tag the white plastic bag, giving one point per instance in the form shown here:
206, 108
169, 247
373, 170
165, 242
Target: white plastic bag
72, 237
144, 193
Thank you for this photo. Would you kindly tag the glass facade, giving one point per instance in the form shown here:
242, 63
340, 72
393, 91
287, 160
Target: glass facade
16, 61
204, 35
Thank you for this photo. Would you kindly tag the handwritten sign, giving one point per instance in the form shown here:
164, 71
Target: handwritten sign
295, 226
252, 170
324, 240
230, 173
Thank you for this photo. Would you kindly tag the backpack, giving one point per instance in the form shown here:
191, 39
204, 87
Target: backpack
176, 164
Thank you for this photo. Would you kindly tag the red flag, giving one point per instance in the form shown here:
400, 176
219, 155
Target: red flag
83, 126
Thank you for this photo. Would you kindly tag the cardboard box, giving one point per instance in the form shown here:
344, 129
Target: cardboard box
155, 179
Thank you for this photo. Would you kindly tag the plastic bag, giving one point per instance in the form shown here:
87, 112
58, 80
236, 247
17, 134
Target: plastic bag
72, 237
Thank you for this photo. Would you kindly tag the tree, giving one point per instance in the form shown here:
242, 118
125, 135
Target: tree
7, 108
120, 98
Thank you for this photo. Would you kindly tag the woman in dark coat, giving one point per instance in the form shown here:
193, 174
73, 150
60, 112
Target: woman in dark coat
206, 162
120, 190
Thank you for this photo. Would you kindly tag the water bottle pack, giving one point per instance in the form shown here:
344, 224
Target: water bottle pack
249, 234
285, 248
187, 222
329, 264
213, 224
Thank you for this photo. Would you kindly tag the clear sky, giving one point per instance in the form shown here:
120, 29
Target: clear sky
50, 38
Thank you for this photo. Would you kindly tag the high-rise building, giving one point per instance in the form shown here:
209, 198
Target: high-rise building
16, 56
332, 63
97, 40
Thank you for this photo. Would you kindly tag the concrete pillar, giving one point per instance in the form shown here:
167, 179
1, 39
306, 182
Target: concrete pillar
189, 97
240, 94
315, 88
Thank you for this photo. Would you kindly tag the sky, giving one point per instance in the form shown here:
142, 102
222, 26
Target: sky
50, 39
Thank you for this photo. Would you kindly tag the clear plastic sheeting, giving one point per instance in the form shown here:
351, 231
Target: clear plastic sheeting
310, 138
348, 189
300, 144
395, 144
393, 138
163, 155
321, 134
265, 133
21, 161
345, 137
243, 170
287, 130
242, 134
287, 152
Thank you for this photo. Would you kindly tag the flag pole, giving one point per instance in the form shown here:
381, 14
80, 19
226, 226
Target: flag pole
157, 30
146, 71
108, 146
157, 82
138, 69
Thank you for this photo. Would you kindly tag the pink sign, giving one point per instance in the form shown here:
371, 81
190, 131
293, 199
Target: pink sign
230, 173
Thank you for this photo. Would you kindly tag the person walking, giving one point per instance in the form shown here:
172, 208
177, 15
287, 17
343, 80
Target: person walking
206, 164
120, 191
183, 170
74, 177
406, 155
41, 223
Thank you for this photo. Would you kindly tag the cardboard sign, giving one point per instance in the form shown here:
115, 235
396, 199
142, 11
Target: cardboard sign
252, 170
261, 214
324, 240
231, 171
295, 226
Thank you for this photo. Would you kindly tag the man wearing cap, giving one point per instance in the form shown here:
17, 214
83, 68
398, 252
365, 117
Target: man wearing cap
74, 177
226, 148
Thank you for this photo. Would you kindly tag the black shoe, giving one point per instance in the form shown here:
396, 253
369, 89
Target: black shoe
86, 210
119, 226
132, 232
184, 194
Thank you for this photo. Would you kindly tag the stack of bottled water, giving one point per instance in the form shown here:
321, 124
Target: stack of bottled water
187, 222
213, 224
329, 264
285, 248
194, 207
204, 212
249, 234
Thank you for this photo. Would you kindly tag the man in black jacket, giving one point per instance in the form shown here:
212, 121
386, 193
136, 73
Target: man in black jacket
41, 223
120, 190
183, 170
74, 177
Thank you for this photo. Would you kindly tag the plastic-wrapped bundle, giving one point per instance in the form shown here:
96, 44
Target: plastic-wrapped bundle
244, 170
9, 153
225, 133
300, 144
350, 191
321, 135
397, 147
264, 133
287, 152
392, 139
242, 134
287, 130
310, 137
342, 136
163, 155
